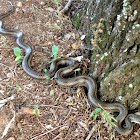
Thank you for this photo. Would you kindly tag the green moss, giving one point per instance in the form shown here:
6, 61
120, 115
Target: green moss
76, 20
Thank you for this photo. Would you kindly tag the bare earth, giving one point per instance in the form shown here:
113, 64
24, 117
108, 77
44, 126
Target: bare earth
64, 115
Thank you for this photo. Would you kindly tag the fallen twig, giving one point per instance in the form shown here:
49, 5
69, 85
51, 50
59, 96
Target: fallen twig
65, 9
2, 102
91, 132
46, 132
8, 126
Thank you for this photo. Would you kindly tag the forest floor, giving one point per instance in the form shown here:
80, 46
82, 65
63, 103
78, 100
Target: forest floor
42, 110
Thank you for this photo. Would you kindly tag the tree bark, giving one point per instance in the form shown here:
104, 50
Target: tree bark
112, 28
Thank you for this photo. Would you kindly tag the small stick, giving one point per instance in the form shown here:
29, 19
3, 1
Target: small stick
91, 132
46, 132
65, 9
9, 124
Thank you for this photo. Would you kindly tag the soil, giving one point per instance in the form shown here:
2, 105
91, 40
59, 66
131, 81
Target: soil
63, 113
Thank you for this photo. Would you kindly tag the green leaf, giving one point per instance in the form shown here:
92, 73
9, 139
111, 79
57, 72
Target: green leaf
51, 92
55, 1
54, 51
36, 110
19, 61
45, 70
108, 120
113, 124
47, 78
95, 116
103, 115
97, 110
112, 117
19, 88
78, 69
91, 114
17, 51
48, 23
18, 58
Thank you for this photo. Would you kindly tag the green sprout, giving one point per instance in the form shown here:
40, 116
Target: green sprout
106, 116
19, 88
54, 51
52, 92
55, 1
35, 110
17, 53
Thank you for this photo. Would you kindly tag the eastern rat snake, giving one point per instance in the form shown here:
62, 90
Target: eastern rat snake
60, 75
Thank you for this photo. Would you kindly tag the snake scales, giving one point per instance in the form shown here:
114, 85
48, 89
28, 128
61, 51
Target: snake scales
67, 82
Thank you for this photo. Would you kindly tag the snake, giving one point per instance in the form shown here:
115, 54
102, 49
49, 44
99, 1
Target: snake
124, 120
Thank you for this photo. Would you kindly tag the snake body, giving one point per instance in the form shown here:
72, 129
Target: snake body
60, 77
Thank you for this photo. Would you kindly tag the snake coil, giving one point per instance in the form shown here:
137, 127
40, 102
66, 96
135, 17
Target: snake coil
60, 75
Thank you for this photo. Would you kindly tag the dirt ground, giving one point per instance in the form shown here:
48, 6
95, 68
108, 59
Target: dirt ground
64, 113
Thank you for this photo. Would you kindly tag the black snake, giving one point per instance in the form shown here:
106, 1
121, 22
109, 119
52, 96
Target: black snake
60, 75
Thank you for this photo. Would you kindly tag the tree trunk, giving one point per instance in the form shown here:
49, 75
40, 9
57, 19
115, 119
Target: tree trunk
112, 28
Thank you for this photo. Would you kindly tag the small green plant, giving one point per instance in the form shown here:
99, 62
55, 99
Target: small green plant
109, 118
54, 51
52, 92
17, 53
54, 54
106, 116
55, 2
45, 70
112, 136
78, 69
19, 88
35, 110
94, 113
47, 78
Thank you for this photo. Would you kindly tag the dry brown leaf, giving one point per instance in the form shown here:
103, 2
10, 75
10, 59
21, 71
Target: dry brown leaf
27, 110
59, 53
73, 35
76, 45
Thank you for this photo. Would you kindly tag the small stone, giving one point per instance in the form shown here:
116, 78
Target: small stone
19, 4
130, 85
38, 48
83, 37
29, 85
105, 54
17, 9
42, 2
49, 126
24, 10
58, 21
